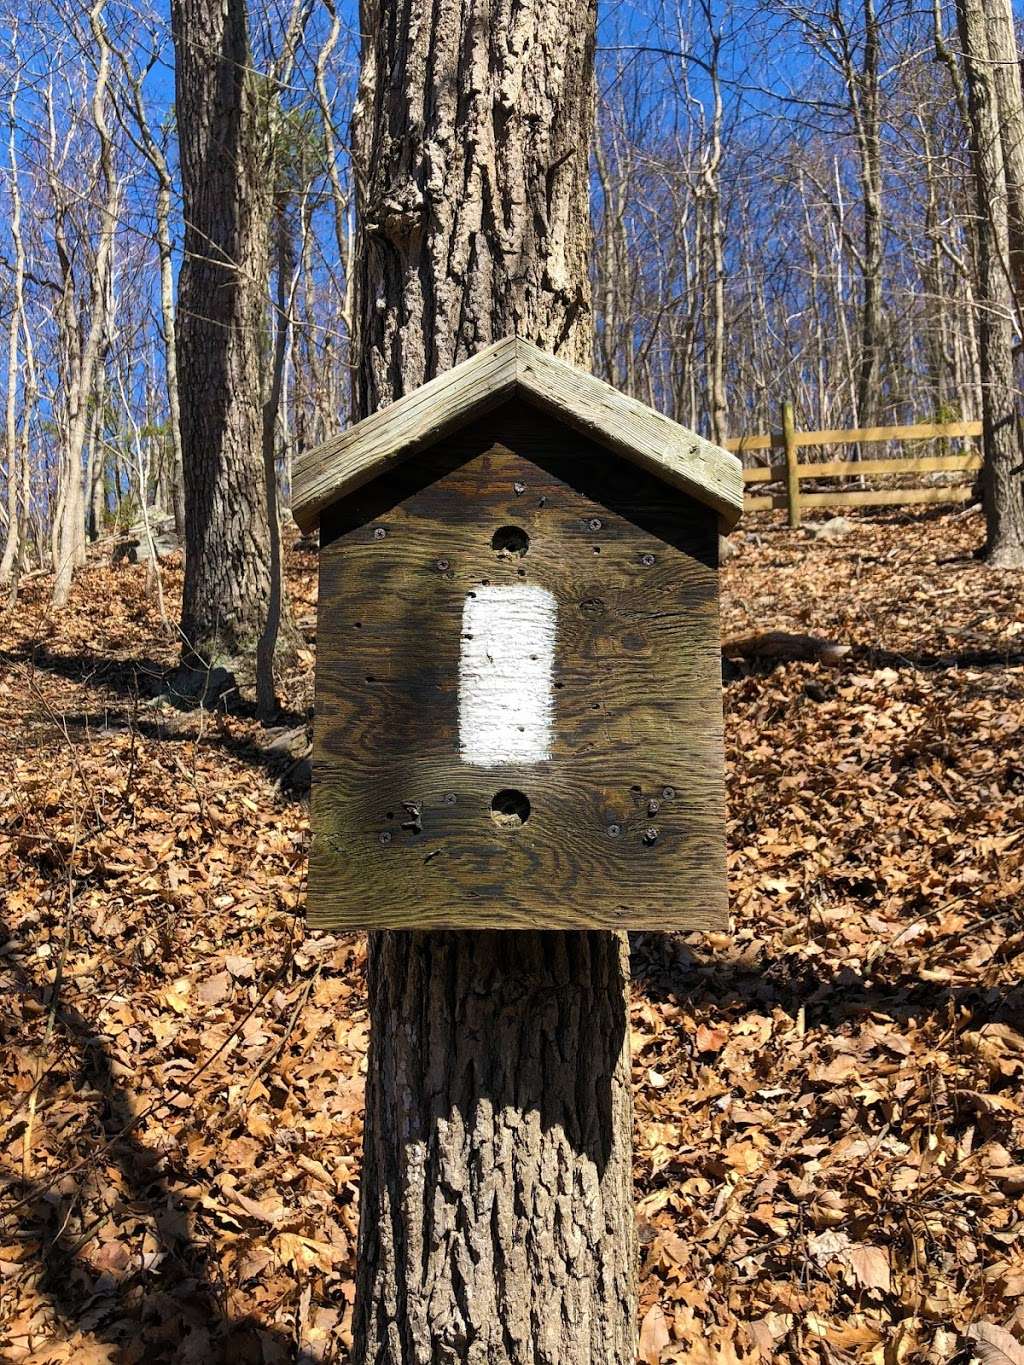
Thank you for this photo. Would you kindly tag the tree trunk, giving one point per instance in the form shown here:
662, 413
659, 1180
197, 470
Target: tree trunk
70, 529
471, 132
12, 544
1002, 482
868, 122
1006, 75
496, 1222
177, 472
226, 191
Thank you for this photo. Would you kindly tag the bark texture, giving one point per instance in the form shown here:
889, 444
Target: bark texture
497, 1220
471, 138
497, 1214
225, 203
1002, 480
1006, 76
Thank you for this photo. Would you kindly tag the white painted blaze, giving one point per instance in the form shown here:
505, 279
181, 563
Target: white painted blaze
505, 665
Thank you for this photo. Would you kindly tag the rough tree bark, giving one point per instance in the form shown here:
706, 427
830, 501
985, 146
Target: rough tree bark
1002, 480
151, 149
69, 531
220, 322
16, 322
865, 92
497, 1219
1006, 75
471, 136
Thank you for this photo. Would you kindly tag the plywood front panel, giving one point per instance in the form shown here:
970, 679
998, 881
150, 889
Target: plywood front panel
563, 767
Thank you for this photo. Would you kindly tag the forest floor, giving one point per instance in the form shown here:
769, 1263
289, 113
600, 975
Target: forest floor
829, 1122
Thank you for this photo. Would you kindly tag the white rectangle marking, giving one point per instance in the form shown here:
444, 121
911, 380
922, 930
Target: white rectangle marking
506, 661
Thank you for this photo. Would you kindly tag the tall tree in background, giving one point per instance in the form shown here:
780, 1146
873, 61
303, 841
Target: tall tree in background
496, 1204
1006, 76
1002, 478
226, 185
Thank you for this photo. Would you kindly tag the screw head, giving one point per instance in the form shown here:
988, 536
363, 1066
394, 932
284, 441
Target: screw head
595, 523
450, 798
647, 560
668, 793
379, 533
384, 837
651, 834
443, 565
653, 807
519, 488
614, 830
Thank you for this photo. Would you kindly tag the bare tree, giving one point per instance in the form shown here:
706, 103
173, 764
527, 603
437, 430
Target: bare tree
1002, 475
69, 537
227, 118
15, 441
135, 121
496, 1213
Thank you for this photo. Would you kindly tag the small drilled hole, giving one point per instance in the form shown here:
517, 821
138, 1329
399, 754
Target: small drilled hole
510, 809
510, 542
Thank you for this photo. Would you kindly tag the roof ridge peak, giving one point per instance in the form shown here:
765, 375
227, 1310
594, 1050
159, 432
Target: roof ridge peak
512, 366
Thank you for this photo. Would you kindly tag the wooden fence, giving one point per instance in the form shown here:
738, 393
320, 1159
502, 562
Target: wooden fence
792, 472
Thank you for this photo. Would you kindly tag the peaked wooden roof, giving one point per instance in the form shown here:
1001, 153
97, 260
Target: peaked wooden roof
507, 369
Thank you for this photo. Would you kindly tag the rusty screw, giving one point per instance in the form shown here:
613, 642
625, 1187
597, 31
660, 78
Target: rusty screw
651, 834
653, 807
647, 560
614, 830
384, 837
594, 523
668, 793
443, 565
379, 533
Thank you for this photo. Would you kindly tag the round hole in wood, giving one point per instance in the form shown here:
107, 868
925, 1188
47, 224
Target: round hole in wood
510, 809
510, 542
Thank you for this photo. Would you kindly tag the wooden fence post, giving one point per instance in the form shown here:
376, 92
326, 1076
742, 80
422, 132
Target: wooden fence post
792, 478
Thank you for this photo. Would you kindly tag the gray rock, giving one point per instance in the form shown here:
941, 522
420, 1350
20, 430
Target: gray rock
134, 546
836, 528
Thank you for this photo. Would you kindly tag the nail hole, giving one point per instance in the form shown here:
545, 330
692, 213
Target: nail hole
510, 542
510, 809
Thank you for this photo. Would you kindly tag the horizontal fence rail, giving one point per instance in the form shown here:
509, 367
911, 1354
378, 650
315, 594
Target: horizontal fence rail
791, 473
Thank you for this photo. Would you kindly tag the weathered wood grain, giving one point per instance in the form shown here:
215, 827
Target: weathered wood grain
917, 431
881, 497
513, 367
684, 460
403, 835
851, 469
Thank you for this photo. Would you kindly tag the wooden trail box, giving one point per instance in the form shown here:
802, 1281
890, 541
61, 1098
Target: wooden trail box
518, 683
